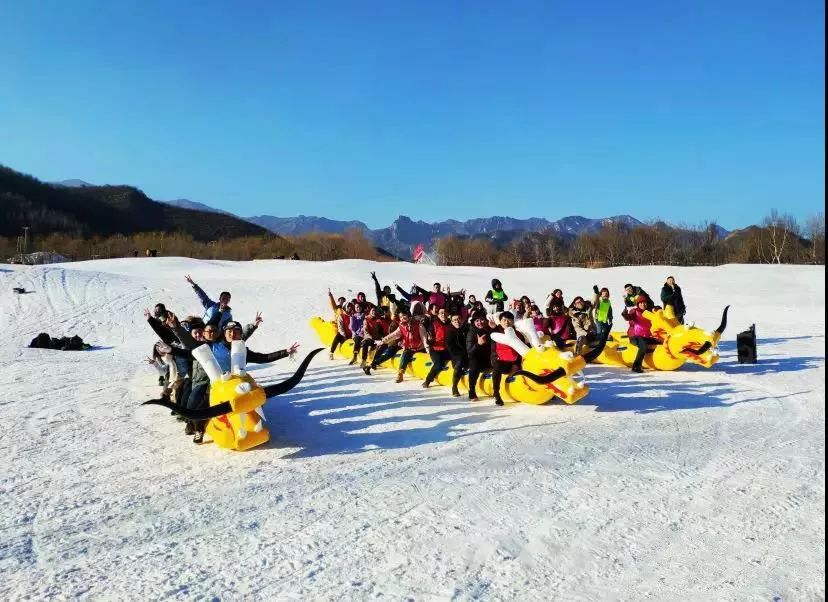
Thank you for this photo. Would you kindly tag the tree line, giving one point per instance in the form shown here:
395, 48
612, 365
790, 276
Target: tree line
312, 247
779, 239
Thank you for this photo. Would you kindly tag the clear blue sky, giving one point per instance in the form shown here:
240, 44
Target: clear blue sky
683, 111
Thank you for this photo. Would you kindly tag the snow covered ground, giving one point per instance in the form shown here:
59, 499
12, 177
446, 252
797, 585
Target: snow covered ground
696, 484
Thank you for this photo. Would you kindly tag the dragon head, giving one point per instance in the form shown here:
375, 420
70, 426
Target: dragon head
236, 419
687, 343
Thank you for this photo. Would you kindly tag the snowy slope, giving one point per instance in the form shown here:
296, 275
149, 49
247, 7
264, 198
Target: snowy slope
687, 485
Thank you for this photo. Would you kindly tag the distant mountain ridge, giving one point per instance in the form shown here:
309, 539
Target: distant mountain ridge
73, 183
77, 207
195, 205
404, 233
303, 224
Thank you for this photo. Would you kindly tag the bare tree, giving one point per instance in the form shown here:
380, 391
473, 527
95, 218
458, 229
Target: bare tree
780, 232
815, 231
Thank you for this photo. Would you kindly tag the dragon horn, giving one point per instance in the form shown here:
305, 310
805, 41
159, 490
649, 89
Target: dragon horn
211, 412
723, 325
287, 385
542, 380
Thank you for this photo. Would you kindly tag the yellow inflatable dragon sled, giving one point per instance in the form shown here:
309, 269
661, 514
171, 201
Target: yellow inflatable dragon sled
546, 373
679, 344
236, 419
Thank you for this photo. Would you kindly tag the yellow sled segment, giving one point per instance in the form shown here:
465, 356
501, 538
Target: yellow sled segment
513, 388
679, 344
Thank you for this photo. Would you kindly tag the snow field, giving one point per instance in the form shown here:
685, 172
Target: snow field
673, 485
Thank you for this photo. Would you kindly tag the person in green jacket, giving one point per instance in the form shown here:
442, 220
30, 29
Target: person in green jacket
496, 297
603, 310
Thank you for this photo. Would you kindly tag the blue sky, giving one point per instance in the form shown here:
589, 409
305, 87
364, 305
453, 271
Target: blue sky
366, 110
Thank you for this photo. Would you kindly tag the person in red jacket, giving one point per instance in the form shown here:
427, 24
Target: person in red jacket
410, 334
505, 360
438, 334
639, 332
374, 329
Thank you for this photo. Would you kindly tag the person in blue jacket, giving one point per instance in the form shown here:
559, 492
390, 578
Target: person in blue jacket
214, 313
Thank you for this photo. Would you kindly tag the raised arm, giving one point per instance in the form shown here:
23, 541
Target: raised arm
202, 296
404, 294
377, 288
158, 327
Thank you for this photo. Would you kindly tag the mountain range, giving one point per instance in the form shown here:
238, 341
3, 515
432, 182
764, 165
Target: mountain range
405, 233
77, 207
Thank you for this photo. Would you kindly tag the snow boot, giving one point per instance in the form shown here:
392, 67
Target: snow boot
498, 400
330, 355
353, 360
399, 376
455, 393
189, 429
199, 437
367, 370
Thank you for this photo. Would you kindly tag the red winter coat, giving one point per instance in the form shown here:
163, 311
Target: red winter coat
639, 325
439, 335
504, 353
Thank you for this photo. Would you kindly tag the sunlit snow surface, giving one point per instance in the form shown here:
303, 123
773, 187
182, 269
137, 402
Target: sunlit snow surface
695, 484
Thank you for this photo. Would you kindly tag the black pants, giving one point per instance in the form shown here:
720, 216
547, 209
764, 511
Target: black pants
641, 343
438, 360
366, 346
199, 399
476, 367
383, 354
499, 369
459, 363
357, 344
338, 340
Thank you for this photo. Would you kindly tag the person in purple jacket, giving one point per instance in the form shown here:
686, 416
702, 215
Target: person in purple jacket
357, 326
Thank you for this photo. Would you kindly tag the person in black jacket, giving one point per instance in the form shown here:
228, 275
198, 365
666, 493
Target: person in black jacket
671, 295
631, 295
479, 350
457, 350
385, 298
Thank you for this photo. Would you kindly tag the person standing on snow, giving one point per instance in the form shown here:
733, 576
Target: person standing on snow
671, 295
479, 350
603, 310
496, 297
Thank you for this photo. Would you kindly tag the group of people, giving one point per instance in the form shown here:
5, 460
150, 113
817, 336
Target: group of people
453, 327
184, 380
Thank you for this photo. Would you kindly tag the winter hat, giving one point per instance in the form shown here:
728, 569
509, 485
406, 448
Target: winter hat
496, 283
231, 325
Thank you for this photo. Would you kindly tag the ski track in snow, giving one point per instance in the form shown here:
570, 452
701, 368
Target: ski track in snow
681, 485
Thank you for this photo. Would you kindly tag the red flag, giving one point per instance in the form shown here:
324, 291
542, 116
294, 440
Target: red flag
418, 253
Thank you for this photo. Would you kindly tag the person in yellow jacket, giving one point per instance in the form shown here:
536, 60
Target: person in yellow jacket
342, 317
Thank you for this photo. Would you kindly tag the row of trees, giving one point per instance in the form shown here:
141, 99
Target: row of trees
780, 239
313, 247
